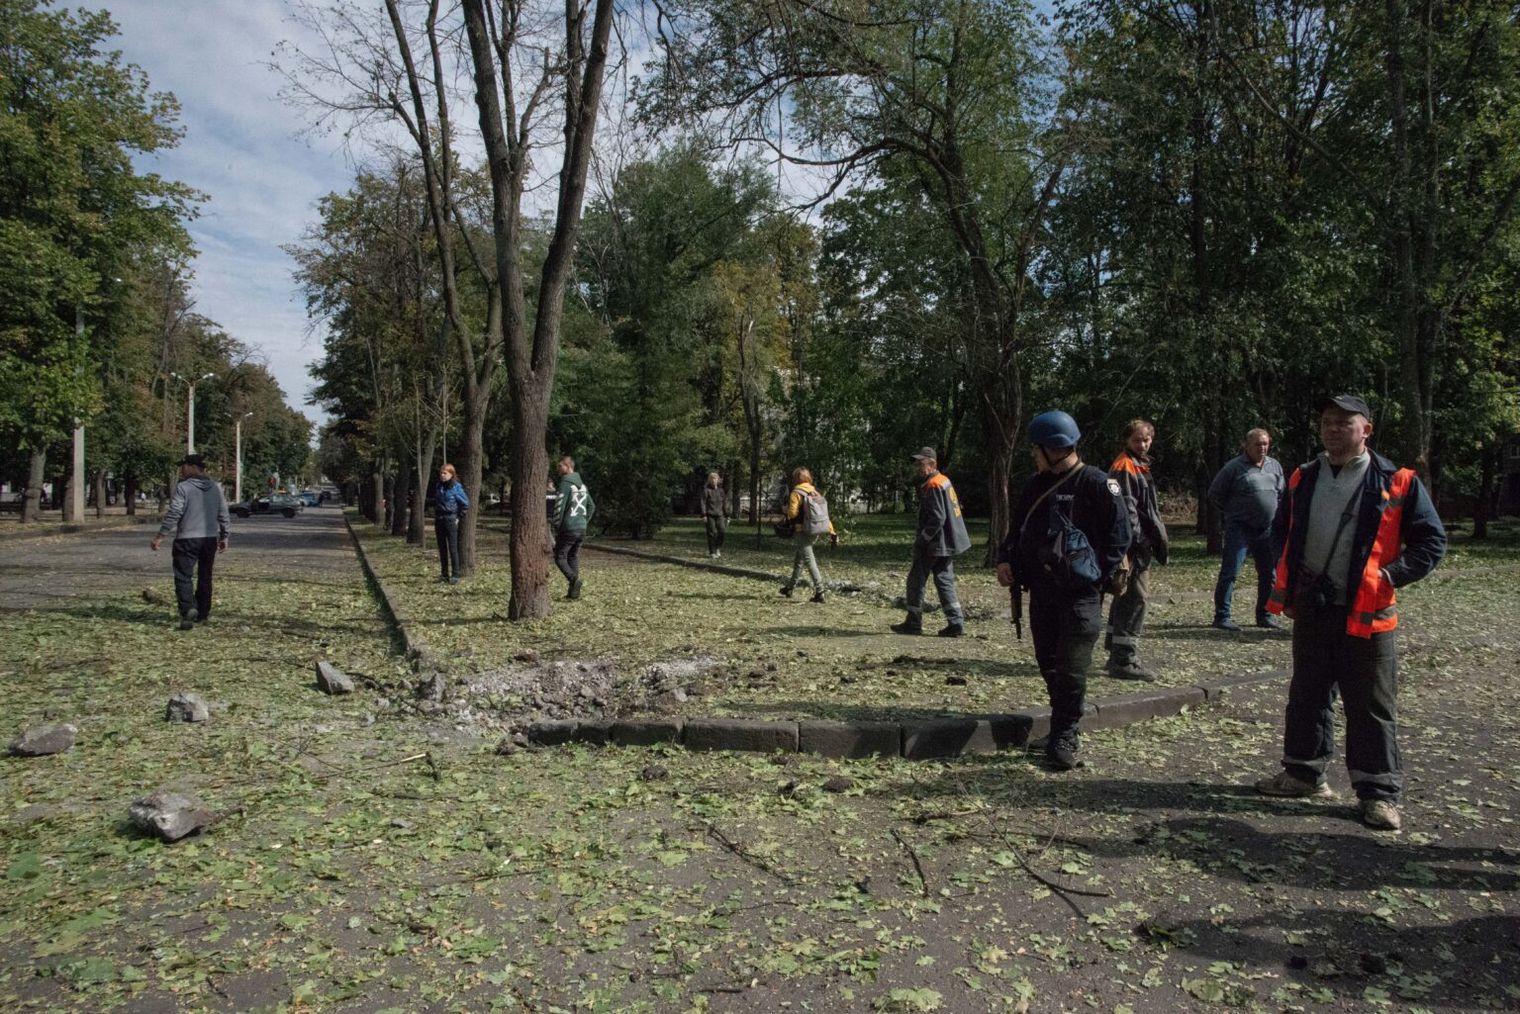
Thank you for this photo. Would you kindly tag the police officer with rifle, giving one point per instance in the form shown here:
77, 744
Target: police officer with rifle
1067, 534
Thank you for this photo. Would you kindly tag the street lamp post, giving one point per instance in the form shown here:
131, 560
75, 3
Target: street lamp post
237, 483
190, 408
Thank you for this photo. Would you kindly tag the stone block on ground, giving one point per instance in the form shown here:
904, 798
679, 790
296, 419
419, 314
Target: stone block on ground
169, 816
947, 737
332, 680
42, 740
1116, 712
850, 739
646, 731
1008, 731
593, 731
185, 707
739, 734
1039, 722
552, 732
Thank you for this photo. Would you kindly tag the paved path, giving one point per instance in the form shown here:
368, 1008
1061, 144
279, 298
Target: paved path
64, 570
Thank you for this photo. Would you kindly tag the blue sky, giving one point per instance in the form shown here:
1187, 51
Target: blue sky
241, 148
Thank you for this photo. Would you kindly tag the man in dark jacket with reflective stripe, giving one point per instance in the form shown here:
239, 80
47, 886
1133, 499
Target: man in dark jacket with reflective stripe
1353, 528
940, 538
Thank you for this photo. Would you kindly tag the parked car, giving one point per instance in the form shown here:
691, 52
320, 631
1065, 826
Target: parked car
275, 503
309, 497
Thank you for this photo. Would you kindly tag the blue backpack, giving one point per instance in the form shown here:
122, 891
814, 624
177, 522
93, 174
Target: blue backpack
1065, 553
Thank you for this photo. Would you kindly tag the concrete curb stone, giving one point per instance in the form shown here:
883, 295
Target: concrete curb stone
850, 739
646, 731
739, 734
416, 650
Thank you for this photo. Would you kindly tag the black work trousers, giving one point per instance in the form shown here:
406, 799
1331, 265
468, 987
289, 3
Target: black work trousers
567, 554
1065, 627
446, 530
193, 560
1364, 671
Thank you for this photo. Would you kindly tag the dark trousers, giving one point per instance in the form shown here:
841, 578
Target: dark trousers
1126, 617
1239, 541
1065, 629
717, 528
1326, 659
446, 530
193, 560
943, 569
567, 554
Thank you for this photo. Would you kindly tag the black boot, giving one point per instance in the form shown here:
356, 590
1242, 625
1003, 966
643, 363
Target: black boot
817, 597
952, 630
786, 590
575, 590
1061, 751
911, 626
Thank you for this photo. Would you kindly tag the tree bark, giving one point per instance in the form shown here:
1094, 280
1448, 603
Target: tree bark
401, 487
100, 492
129, 494
530, 525
31, 505
1483, 507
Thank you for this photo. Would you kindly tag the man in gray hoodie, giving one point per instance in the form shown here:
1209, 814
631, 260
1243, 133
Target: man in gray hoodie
197, 516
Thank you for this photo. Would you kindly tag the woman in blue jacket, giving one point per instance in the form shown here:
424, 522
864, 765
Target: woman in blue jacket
450, 504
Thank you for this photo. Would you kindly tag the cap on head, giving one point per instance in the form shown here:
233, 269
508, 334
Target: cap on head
1054, 429
197, 460
1347, 403
925, 454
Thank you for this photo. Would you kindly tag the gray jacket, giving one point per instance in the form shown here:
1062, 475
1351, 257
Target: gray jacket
197, 511
941, 529
1248, 496
714, 502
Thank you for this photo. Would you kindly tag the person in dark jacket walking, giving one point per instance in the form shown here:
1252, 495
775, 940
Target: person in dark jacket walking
197, 517
449, 506
715, 514
1067, 534
1247, 491
1353, 527
573, 508
1132, 471
940, 538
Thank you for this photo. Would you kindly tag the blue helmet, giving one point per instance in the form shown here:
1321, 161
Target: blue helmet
1054, 429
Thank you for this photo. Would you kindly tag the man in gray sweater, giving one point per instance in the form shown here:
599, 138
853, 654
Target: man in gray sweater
197, 516
1247, 491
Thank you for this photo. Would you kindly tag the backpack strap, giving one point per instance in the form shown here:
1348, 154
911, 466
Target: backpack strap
1063, 481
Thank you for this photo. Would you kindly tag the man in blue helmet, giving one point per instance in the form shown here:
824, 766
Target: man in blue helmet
1067, 534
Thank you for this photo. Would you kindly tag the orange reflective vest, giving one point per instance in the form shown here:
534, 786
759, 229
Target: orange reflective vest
1373, 607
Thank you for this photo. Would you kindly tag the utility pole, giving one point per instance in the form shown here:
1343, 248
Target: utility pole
237, 483
190, 408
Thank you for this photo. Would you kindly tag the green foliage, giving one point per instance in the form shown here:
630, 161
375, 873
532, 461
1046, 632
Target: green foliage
72, 206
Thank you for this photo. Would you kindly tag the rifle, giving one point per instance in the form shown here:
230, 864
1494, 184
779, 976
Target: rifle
1016, 594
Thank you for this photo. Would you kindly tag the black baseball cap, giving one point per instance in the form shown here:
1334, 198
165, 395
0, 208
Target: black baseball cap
1346, 403
925, 454
198, 460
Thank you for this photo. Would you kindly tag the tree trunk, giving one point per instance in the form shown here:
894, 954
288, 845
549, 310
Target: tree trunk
129, 493
376, 497
1483, 507
1001, 444
416, 532
31, 505
401, 497
471, 467
530, 525
100, 492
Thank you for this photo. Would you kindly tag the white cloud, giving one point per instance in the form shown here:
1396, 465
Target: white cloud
241, 148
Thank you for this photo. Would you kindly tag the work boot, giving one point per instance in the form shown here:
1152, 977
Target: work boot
1381, 815
786, 590
575, 590
187, 622
952, 630
1286, 785
1061, 752
1131, 670
817, 597
1227, 624
1269, 622
911, 626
